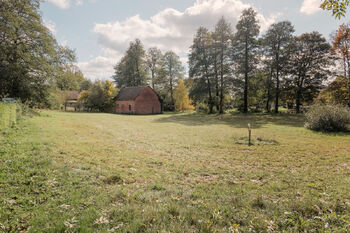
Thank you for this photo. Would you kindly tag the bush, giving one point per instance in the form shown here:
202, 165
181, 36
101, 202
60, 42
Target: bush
202, 107
328, 118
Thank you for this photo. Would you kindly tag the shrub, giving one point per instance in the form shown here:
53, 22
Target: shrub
328, 118
202, 107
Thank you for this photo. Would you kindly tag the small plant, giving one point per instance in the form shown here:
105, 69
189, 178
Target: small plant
328, 118
114, 179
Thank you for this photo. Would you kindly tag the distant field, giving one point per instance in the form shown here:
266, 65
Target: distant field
87, 172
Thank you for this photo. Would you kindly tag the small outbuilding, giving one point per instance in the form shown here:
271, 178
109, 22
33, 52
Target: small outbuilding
138, 100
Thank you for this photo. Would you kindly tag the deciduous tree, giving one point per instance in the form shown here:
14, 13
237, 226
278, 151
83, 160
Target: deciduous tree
200, 63
173, 70
336, 92
341, 44
276, 42
245, 48
182, 101
222, 47
309, 66
132, 69
154, 59
29, 54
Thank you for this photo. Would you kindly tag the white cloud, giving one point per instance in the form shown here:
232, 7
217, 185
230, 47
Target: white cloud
51, 26
61, 3
310, 7
170, 29
64, 4
98, 68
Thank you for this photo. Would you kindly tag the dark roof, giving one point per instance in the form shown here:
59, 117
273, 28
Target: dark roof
72, 95
129, 93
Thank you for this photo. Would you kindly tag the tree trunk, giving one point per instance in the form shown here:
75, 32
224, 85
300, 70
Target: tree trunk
171, 85
348, 64
153, 79
299, 90
245, 108
298, 97
269, 92
171, 94
277, 82
277, 92
216, 81
221, 109
345, 70
210, 96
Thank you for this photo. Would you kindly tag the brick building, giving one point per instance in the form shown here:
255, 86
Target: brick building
138, 100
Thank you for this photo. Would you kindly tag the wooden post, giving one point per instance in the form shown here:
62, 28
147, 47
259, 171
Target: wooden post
249, 135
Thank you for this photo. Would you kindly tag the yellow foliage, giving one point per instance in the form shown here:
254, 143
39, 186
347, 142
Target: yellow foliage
110, 89
83, 97
182, 101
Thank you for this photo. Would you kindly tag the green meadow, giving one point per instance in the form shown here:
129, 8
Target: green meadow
187, 172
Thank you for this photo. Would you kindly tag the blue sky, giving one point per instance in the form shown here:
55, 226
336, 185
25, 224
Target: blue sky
100, 30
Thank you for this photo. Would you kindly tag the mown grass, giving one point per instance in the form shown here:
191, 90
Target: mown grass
81, 172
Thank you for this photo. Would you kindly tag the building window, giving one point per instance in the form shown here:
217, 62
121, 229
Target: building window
117, 106
129, 107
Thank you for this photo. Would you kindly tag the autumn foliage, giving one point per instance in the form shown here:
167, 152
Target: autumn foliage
182, 101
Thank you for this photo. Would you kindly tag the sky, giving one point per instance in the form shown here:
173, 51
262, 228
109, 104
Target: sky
100, 30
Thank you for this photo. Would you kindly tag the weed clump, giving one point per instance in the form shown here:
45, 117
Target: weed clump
114, 179
328, 118
259, 203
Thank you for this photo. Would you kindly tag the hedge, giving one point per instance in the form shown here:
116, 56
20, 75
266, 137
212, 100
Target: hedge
8, 115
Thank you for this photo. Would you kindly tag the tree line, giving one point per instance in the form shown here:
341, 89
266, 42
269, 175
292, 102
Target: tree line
237, 68
249, 72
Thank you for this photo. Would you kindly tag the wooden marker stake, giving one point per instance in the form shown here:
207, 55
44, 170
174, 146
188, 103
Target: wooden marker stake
249, 135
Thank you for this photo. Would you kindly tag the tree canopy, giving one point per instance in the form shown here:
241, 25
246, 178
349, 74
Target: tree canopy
132, 69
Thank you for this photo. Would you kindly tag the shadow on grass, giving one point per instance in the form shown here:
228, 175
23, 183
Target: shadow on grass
236, 120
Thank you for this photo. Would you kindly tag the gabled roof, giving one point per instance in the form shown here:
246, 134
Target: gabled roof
129, 93
72, 95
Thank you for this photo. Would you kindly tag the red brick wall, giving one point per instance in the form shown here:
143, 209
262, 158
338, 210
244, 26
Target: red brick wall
147, 102
122, 106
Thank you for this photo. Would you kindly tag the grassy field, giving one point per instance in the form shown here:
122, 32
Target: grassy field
81, 172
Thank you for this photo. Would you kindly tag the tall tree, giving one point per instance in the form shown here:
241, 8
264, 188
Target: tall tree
132, 68
200, 62
28, 51
276, 41
154, 58
222, 39
173, 71
309, 66
245, 47
341, 44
